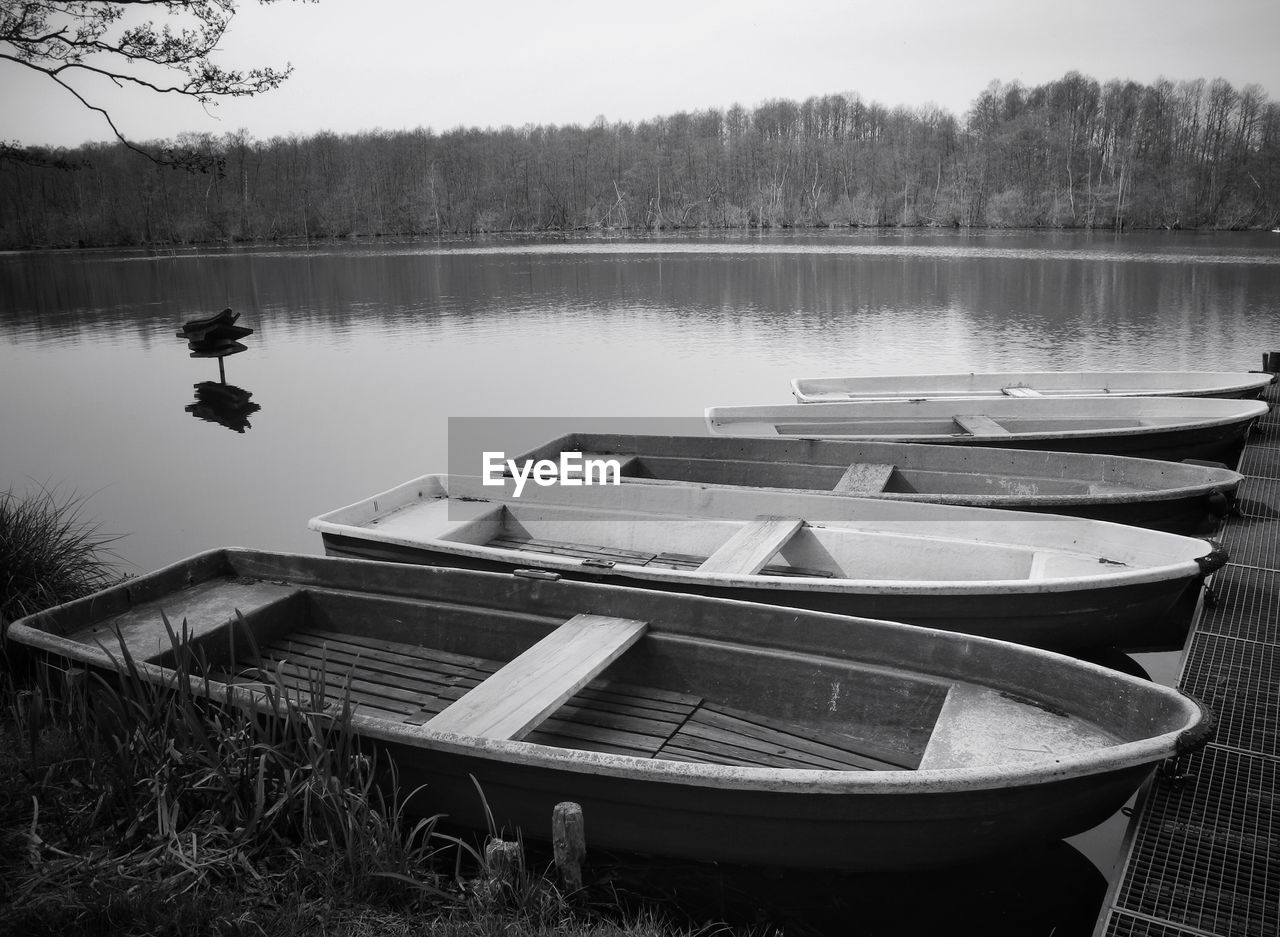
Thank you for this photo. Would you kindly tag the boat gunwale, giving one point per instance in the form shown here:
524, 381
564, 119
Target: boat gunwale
1240, 384
809, 412
1109, 759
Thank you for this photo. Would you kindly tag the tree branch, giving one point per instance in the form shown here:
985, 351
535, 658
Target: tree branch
58, 38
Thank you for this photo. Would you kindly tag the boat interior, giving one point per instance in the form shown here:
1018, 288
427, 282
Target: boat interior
856, 478
587, 682
957, 425
910, 549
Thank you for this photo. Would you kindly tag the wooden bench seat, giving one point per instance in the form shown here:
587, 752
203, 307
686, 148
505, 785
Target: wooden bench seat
978, 425
523, 693
864, 478
752, 546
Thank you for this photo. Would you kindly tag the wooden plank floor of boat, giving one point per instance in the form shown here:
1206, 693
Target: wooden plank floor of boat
600, 554
411, 684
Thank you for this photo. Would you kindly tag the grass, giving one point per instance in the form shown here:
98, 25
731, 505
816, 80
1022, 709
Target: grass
130, 806
49, 552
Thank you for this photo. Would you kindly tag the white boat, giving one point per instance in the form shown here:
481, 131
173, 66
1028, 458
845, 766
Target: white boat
1039, 579
1172, 428
1032, 384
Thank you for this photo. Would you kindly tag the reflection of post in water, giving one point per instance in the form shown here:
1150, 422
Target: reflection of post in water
216, 337
223, 403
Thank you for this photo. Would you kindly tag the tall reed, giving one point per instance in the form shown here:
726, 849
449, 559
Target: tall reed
49, 552
153, 783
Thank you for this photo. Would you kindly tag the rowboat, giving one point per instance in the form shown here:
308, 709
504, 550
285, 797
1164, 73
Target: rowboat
1039, 579
1174, 496
1033, 384
659, 714
1148, 427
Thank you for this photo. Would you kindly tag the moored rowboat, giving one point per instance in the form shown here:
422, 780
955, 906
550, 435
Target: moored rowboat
1173, 496
1147, 427
661, 715
1039, 579
1032, 384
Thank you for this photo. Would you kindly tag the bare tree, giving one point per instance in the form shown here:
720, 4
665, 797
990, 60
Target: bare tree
74, 41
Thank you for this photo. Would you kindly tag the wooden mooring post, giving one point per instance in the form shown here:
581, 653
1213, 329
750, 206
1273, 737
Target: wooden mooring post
568, 837
502, 863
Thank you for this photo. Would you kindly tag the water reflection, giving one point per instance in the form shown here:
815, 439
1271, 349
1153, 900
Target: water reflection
224, 404
931, 300
1118, 660
1054, 891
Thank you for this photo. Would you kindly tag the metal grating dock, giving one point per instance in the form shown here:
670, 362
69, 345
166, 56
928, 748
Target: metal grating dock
1202, 853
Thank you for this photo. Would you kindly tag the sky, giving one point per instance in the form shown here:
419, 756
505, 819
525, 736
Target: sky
403, 64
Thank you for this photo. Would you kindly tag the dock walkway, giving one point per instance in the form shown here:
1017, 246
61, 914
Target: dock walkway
1202, 854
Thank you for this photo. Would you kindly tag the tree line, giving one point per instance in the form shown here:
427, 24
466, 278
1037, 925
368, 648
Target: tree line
1069, 153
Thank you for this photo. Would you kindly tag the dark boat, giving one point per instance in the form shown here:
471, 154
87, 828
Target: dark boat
683, 726
1174, 496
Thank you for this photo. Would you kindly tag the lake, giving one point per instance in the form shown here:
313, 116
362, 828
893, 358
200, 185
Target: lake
364, 350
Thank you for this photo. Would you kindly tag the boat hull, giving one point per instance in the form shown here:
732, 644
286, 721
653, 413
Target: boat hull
769, 828
1141, 616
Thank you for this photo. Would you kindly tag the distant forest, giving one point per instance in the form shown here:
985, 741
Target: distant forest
1070, 153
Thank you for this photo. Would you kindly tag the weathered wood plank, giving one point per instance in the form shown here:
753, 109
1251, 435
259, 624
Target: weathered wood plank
686, 561
689, 748
571, 727
611, 745
581, 550
978, 425
522, 694
648, 696
725, 740
752, 546
337, 677
409, 668
395, 651
409, 688
810, 739
592, 714
570, 734
335, 690
864, 478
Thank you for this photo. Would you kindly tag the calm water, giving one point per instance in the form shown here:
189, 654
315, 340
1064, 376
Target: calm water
363, 351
